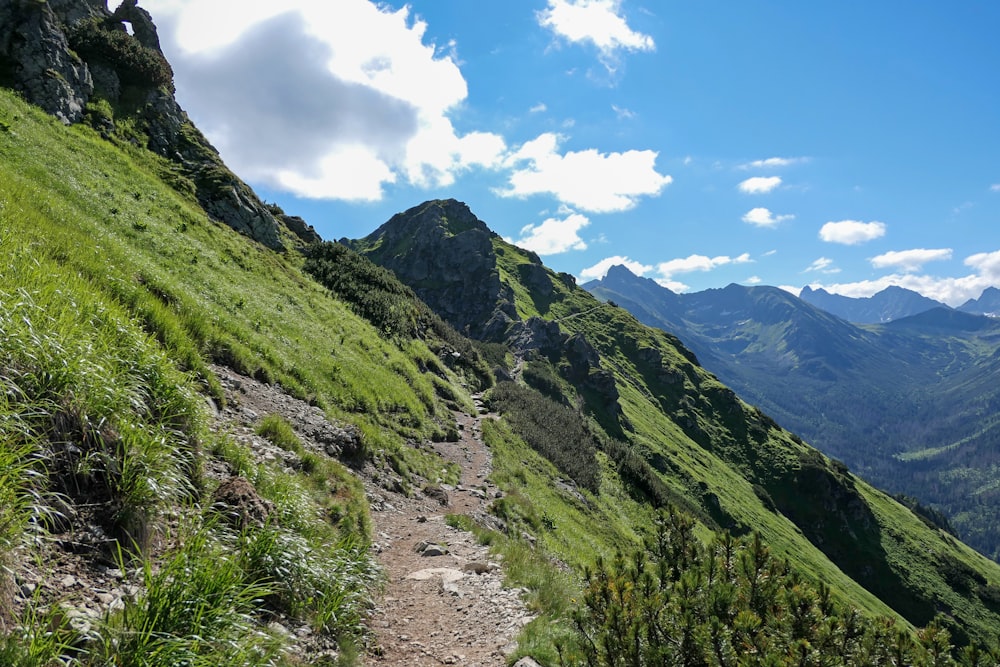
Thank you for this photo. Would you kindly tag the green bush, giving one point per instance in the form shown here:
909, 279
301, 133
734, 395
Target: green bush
279, 431
677, 602
108, 42
557, 432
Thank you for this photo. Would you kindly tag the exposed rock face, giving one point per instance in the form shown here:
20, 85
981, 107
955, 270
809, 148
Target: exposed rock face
65, 54
36, 60
300, 228
445, 253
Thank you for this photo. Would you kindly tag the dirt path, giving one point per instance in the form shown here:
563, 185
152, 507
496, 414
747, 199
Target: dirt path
450, 608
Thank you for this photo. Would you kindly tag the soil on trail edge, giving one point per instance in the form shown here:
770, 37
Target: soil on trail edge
444, 602
435, 609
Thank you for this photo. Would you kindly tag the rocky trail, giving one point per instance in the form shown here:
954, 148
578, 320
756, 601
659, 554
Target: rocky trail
444, 602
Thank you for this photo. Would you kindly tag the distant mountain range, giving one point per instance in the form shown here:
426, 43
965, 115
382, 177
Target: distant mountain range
912, 404
893, 303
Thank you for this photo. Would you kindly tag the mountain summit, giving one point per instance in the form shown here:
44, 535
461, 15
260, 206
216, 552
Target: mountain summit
890, 304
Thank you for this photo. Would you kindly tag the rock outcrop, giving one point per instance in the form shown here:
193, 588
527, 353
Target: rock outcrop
445, 254
36, 60
76, 60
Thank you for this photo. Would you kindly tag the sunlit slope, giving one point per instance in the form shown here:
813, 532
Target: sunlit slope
722, 460
122, 219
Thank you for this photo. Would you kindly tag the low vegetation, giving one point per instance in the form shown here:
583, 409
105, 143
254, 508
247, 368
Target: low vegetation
555, 431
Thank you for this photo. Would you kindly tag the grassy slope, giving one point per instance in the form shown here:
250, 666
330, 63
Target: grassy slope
115, 294
857, 392
728, 464
204, 291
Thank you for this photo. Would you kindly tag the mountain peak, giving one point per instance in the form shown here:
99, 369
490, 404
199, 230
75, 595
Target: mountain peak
445, 254
891, 303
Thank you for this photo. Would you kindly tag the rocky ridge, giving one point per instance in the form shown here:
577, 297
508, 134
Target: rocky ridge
77, 60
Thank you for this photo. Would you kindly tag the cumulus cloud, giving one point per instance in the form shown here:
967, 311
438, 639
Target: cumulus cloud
987, 265
773, 163
599, 270
538, 108
753, 280
851, 232
757, 185
909, 261
326, 100
698, 263
598, 22
588, 180
554, 236
763, 217
953, 291
822, 265
995, 187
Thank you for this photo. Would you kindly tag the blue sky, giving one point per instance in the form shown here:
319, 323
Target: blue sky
850, 145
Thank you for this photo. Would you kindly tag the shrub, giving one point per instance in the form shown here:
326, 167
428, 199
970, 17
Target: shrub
557, 432
107, 41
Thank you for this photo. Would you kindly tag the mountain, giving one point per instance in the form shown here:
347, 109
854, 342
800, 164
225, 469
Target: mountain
727, 463
988, 303
890, 304
202, 421
909, 404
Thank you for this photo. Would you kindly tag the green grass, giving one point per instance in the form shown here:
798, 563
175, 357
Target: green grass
116, 295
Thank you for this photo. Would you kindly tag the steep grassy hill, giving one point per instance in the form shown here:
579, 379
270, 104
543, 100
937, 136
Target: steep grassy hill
116, 293
909, 405
654, 409
649, 513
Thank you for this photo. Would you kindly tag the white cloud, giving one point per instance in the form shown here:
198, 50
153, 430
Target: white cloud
673, 285
774, 163
334, 99
995, 187
822, 265
698, 263
987, 265
909, 261
539, 108
759, 184
588, 180
851, 232
598, 22
599, 270
622, 113
554, 236
763, 217
753, 280
953, 291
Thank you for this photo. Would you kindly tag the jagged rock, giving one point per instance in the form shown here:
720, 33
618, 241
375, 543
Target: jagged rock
536, 278
142, 24
527, 662
534, 334
35, 52
437, 493
300, 228
582, 356
238, 501
445, 253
